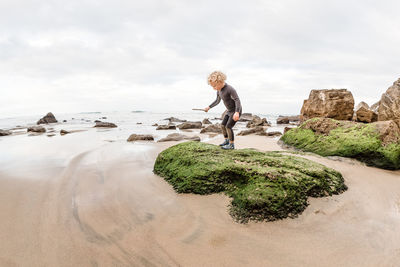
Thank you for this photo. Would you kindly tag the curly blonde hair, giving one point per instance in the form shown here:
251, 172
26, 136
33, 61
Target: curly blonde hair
216, 76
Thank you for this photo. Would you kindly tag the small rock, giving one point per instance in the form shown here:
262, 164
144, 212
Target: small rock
140, 137
49, 118
282, 120
206, 121
259, 130
63, 132
105, 124
172, 119
274, 133
257, 121
139, 123
190, 125
4, 132
64, 120
166, 127
104, 118
37, 129
96, 121
214, 128
155, 124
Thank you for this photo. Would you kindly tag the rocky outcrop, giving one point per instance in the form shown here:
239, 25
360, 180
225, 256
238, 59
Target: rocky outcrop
214, 128
375, 107
328, 103
190, 125
389, 107
105, 125
257, 121
364, 113
178, 137
377, 144
37, 129
173, 119
258, 130
49, 118
140, 137
5, 132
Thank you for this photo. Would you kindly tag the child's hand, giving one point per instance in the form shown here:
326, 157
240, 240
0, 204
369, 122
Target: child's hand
236, 116
207, 109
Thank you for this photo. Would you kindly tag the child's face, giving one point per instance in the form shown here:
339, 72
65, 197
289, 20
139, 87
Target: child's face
217, 85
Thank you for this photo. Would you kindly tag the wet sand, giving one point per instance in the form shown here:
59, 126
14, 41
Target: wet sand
103, 206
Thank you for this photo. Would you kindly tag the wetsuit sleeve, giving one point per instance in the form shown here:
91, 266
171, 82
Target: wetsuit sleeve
216, 102
235, 97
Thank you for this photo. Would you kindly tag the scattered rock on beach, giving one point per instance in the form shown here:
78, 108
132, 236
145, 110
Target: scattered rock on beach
166, 127
214, 128
140, 137
287, 119
259, 130
173, 119
257, 121
155, 124
178, 137
37, 129
64, 120
5, 132
206, 121
274, 133
105, 124
190, 125
328, 103
49, 118
63, 132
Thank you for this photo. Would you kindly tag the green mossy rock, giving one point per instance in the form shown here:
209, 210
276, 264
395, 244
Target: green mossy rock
263, 185
376, 144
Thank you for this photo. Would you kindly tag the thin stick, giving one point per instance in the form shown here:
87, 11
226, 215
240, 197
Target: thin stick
200, 109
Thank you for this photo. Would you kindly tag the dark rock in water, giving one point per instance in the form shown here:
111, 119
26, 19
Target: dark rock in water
96, 121
139, 123
62, 132
274, 133
190, 125
49, 118
206, 121
64, 120
5, 132
172, 119
105, 124
259, 130
155, 124
166, 127
282, 120
287, 119
377, 144
262, 185
37, 129
287, 129
104, 118
214, 128
246, 117
257, 121
333, 103
140, 137
178, 137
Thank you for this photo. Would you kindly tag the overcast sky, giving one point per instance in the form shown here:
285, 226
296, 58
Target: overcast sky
97, 55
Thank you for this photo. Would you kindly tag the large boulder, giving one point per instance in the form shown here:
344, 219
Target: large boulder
214, 128
365, 114
49, 118
178, 137
257, 121
377, 144
328, 103
261, 185
140, 137
389, 107
190, 125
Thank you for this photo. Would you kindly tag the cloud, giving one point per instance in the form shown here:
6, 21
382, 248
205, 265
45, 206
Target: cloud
109, 55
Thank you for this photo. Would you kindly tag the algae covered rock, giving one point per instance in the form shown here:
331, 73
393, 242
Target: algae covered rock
262, 185
376, 144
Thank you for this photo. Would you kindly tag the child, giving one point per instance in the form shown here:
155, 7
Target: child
232, 103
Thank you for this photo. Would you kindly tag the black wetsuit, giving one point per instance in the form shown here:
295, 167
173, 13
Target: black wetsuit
232, 103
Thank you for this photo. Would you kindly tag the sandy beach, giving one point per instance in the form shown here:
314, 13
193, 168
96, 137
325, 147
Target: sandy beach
101, 205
